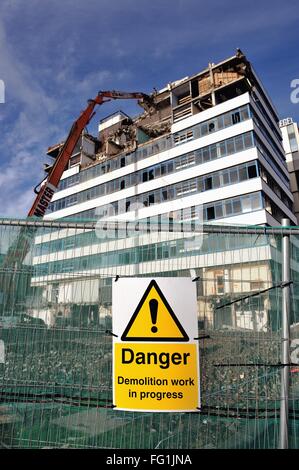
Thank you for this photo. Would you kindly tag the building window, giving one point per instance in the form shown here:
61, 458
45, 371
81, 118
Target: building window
246, 204
219, 211
252, 171
256, 285
239, 146
164, 195
208, 183
69, 242
243, 173
237, 206
151, 199
234, 176
220, 283
198, 157
212, 127
236, 117
210, 213
55, 293
292, 138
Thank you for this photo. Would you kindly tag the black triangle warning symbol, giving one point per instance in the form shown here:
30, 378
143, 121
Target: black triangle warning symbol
154, 319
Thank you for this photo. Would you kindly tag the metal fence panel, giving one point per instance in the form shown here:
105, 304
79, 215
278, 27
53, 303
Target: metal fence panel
56, 349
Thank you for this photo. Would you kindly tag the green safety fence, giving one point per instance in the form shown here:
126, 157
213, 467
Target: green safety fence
56, 343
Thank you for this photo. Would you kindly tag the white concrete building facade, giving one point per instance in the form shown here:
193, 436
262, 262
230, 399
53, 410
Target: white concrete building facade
290, 135
219, 161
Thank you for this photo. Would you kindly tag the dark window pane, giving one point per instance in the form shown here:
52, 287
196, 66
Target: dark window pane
151, 175
252, 171
210, 213
151, 199
236, 117
212, 127
208, 183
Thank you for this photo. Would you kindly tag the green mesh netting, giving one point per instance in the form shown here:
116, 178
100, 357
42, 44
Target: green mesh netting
56, 349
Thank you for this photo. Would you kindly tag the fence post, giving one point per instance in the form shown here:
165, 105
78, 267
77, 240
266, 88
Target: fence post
285, 341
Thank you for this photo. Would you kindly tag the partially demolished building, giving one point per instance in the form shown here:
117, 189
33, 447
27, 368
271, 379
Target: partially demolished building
208, 149
216, 129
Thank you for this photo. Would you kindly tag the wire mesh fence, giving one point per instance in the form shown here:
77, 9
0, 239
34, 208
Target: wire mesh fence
56, 344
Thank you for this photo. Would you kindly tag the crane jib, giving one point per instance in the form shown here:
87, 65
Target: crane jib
44, 200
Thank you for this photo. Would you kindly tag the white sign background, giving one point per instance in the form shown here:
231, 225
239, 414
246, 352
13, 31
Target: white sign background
180, 293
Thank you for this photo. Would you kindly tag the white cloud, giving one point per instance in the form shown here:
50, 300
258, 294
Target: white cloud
21, 145
31, 120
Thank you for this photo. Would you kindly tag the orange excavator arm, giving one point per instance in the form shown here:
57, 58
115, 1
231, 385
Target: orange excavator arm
19, 249
48, 188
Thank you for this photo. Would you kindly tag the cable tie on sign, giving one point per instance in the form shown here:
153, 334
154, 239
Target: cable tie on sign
203, 337
110, 333
196, 279
286, 284
116, 278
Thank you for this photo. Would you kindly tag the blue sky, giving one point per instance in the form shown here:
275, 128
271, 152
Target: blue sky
57, 54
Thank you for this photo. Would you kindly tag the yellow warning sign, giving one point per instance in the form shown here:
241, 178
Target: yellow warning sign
154, 319
156, 377
155, 348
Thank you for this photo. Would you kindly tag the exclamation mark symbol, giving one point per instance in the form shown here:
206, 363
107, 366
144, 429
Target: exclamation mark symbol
153, 304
